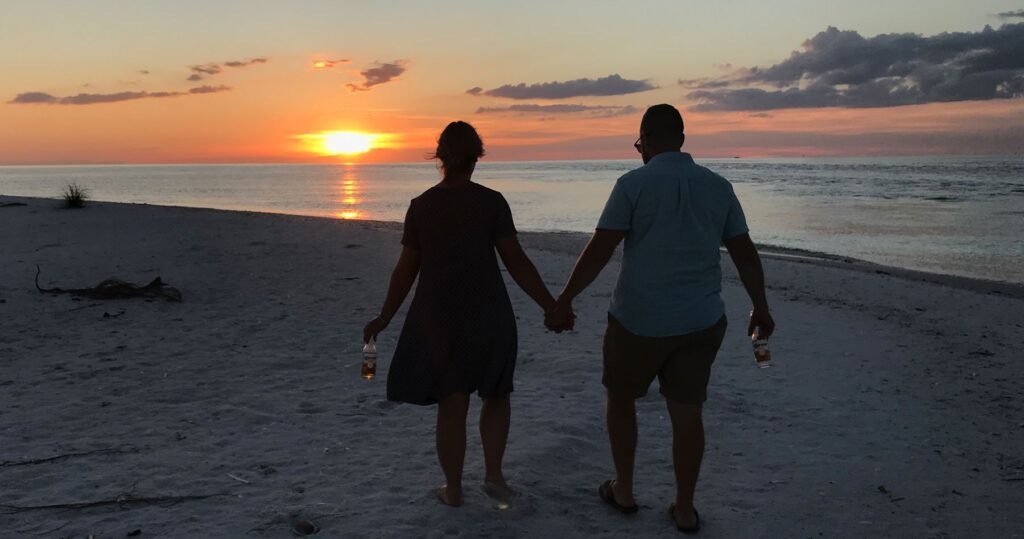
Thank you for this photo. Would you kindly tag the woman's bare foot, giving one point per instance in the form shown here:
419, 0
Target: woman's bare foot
499, 490
448, 497
685, 520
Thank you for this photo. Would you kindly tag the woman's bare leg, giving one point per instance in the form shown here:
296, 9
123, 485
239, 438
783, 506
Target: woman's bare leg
451, 445
495, 418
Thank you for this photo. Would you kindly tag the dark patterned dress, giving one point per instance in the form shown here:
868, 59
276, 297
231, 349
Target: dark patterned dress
460, 333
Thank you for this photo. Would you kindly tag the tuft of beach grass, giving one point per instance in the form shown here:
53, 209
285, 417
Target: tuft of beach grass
75, 196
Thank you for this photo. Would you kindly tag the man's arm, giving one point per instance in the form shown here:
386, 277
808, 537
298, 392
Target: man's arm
748, 265
592, 260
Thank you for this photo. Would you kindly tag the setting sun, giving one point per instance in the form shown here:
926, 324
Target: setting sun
342, 142
346, 142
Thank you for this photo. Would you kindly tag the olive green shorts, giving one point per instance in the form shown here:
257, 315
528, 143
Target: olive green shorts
682, 363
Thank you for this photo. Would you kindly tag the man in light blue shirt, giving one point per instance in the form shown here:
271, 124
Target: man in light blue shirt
666, 319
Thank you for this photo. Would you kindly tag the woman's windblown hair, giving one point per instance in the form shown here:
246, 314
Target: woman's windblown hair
458, 148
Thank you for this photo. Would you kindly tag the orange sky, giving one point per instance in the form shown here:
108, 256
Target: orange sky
258, 112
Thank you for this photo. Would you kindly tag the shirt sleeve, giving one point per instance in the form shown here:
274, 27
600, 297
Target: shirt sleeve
503, 224
735, 221
410, 236
618, 211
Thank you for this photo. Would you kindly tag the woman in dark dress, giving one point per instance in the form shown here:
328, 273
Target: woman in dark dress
460, 333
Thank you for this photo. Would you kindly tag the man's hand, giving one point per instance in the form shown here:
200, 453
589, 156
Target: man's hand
560, 318
761, 319
374, 327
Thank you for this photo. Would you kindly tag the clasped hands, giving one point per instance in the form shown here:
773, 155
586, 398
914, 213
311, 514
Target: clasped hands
560, 317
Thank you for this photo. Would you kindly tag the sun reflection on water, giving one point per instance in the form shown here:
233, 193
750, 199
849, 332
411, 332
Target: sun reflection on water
349, 194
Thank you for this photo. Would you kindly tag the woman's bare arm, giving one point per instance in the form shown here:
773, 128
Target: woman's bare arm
402, 278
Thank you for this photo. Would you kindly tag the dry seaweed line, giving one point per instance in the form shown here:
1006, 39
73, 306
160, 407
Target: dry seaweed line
122, 501
108, 451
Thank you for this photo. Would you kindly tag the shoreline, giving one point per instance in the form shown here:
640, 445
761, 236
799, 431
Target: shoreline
577, 240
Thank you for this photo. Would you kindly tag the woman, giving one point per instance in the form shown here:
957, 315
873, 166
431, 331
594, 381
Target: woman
460, 332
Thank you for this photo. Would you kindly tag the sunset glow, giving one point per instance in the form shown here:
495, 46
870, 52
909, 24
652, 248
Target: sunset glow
340, 142
233, 96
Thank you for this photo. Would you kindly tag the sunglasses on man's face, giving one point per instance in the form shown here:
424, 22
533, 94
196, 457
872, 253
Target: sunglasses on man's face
639, 144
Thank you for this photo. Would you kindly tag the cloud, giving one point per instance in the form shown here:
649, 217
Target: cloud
144, 71
206, 89
213, 68
703, 83
604, 86
29, 98
380, 74
200, 70
92, 99
597, 111
329, 64
476, 90
244, 63
1018, 14
838, 68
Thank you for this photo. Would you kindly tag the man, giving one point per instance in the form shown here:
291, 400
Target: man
667, 319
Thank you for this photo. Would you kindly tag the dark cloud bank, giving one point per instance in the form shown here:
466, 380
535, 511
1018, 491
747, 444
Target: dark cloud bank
604, 86
377, 75
839, 68
41, 98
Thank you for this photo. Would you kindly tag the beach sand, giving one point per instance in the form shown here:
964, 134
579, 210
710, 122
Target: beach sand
893, 409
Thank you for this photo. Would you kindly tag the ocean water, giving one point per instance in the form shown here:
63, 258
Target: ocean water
954, 215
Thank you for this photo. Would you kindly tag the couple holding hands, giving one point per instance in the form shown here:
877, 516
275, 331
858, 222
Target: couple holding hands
666, 318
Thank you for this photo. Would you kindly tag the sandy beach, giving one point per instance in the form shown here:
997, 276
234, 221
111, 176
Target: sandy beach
893, 409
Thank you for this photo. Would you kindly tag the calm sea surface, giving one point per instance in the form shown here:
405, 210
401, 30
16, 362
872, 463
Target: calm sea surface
954, 215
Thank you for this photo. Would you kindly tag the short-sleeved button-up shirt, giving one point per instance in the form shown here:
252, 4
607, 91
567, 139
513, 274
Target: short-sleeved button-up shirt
676, 215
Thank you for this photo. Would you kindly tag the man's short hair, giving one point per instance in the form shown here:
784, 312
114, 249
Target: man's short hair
662, 121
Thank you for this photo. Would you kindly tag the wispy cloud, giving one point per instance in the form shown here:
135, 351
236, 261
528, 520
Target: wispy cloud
379, 74
42, 98
329, 64
244, 63
604, 86
212, 68
705, 82
1018, 14
206, 89
838, 68
599, 111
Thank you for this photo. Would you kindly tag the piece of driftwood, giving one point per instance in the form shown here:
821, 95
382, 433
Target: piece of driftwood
118, 289
11, 204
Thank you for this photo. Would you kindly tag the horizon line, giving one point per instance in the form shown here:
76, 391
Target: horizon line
426, 161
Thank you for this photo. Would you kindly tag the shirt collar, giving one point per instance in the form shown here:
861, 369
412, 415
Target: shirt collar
672, 157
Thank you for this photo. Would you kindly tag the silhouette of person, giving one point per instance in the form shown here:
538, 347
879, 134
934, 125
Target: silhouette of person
666, 319
460, 332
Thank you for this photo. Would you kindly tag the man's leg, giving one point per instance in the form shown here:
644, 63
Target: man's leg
451, 444
687, 453
495, 417
621, 419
